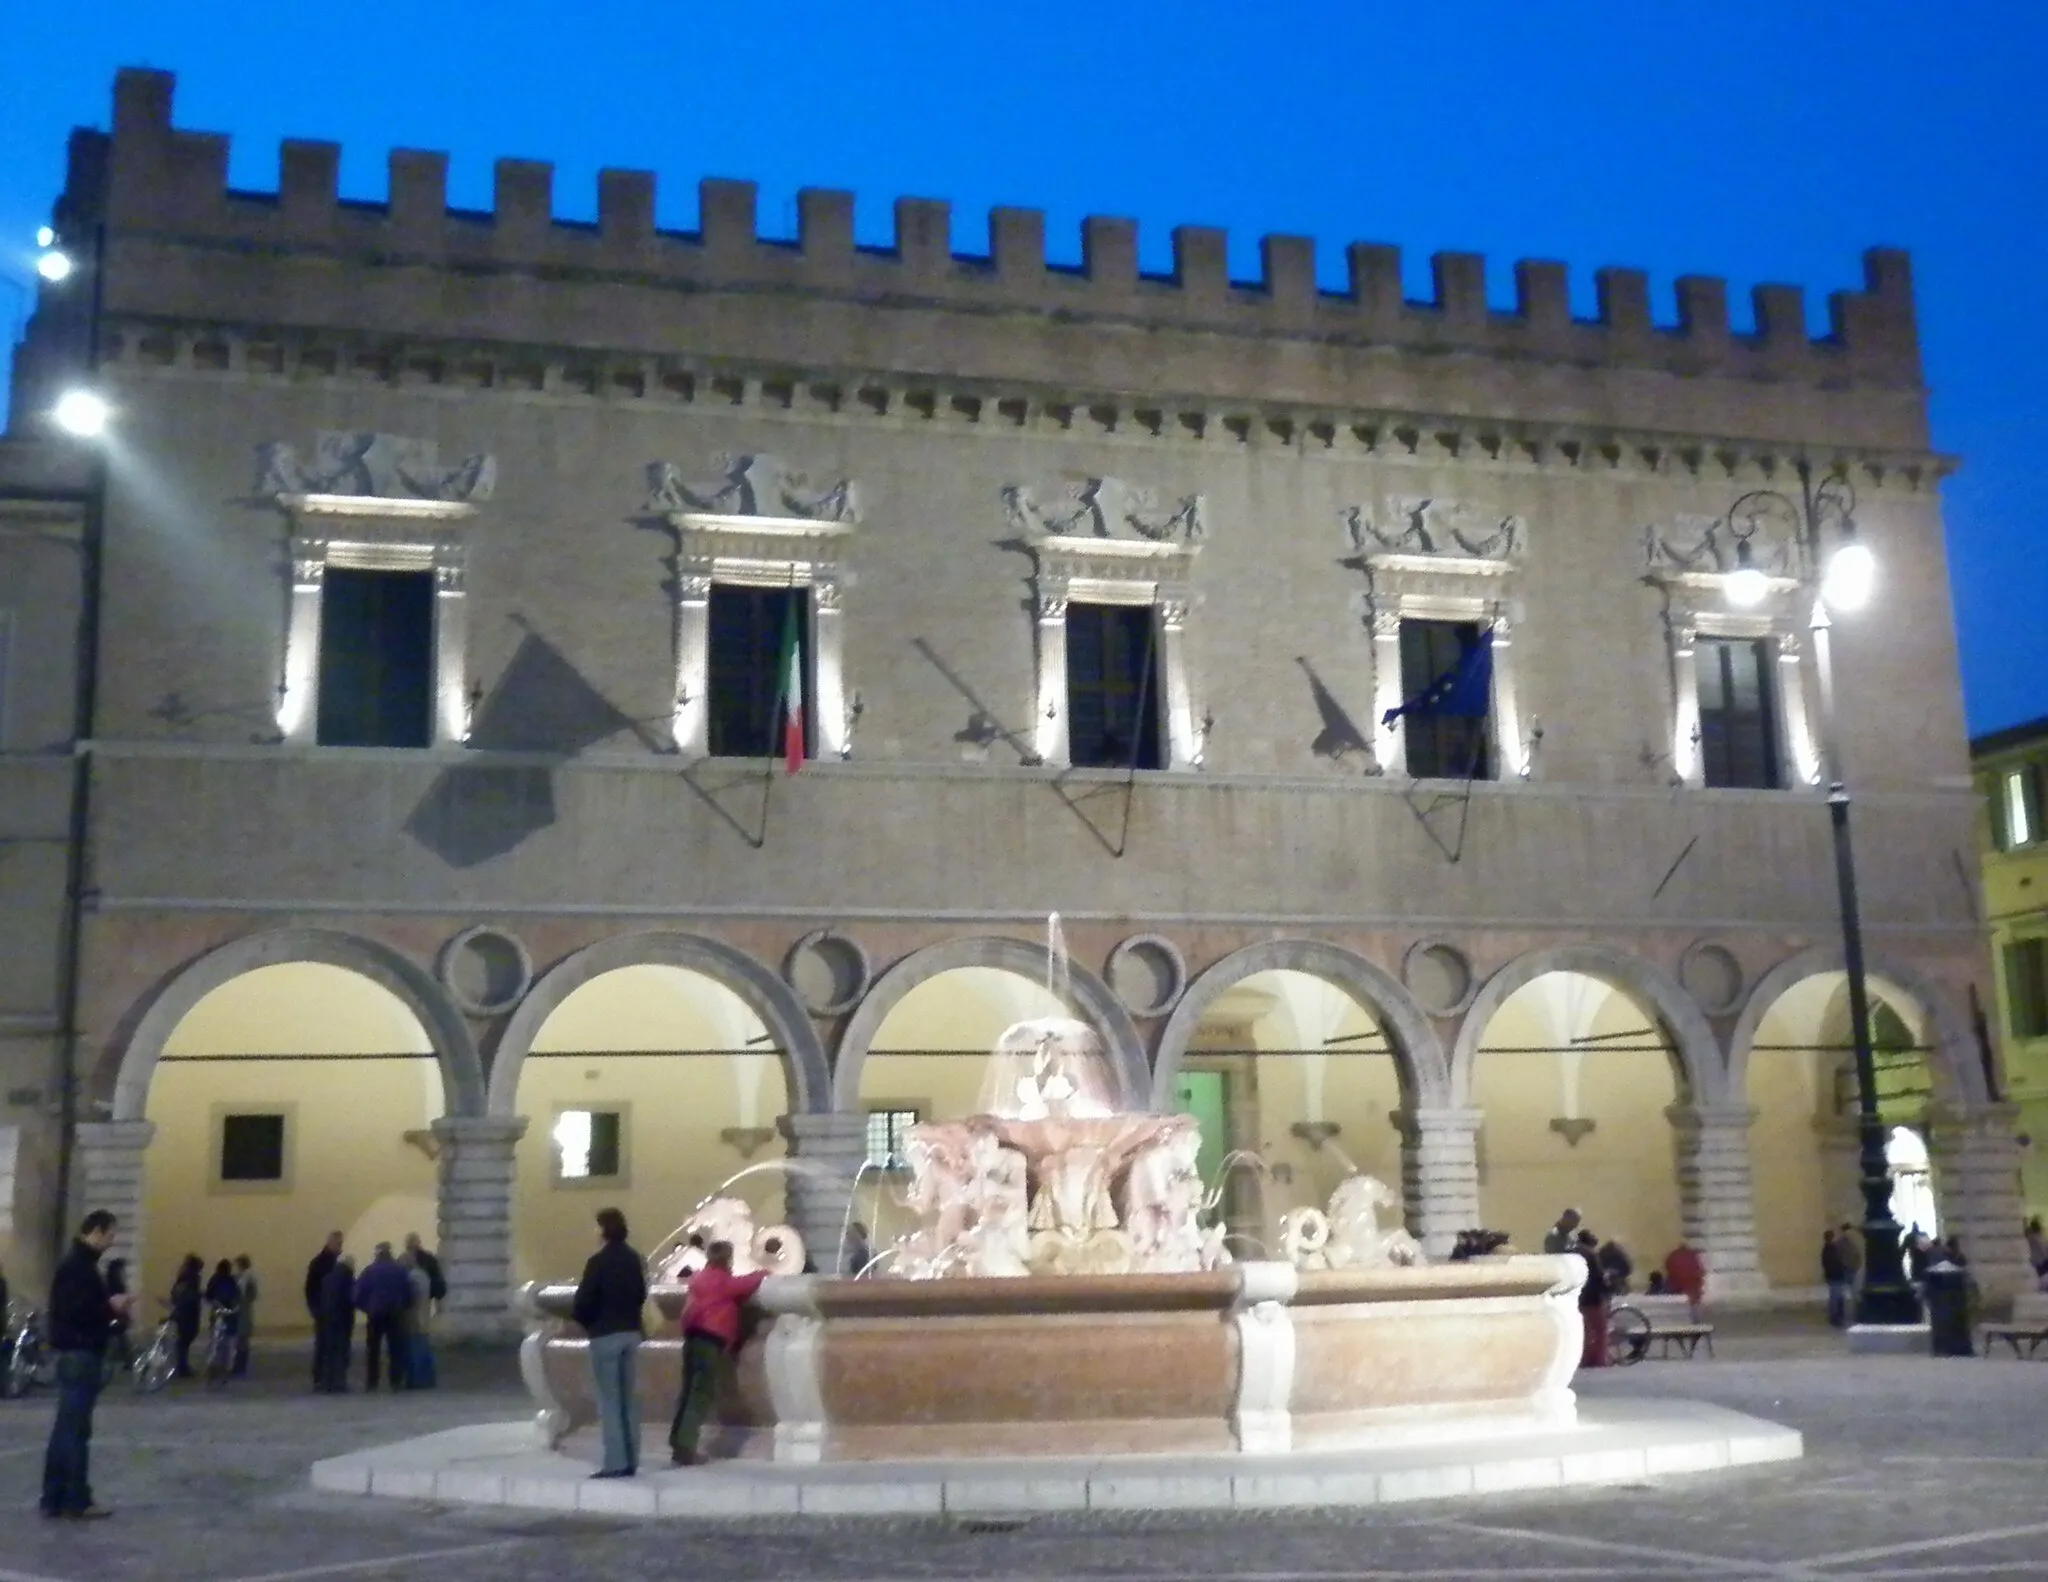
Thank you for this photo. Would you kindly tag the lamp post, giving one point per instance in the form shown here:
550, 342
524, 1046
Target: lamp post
1844, 582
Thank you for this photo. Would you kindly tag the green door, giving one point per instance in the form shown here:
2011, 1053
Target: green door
1205, 1095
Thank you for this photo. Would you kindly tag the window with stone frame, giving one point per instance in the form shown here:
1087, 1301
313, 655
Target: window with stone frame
2026, 986
589, 1145
2016, 807
1738, 721
1442, 746
1113, 683
748, 628
376, 675
887, 1129
252, 1148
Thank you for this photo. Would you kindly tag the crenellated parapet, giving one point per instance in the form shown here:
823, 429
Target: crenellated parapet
158, 185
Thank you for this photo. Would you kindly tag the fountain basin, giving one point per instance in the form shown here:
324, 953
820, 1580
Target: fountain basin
1255, 1357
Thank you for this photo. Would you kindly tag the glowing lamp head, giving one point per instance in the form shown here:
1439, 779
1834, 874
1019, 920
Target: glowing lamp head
1745, 586
45, 237
54, 267
1851, 576
82, 413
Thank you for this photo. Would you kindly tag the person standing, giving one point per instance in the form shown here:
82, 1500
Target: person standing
1834, 1273
610, 1299
860, 1251
437, 1282
383, 1292
80, 1314
1592, 1304
186, 1297
317, 1270
1685, 1271
334, 1319
711, 1334
1560, 1238
245, 1318
419, 1324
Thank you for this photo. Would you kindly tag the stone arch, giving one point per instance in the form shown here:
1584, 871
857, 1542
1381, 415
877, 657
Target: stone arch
454, 1048
803, 1055
1955, 1046
1418, 1054
1698, 1051
1090, 995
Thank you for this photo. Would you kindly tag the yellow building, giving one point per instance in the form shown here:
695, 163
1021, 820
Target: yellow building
2012, 767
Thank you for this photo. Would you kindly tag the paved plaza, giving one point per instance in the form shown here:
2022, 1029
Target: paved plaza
1914, 1468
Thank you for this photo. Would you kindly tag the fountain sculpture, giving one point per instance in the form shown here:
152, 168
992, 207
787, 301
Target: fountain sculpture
1059, 1292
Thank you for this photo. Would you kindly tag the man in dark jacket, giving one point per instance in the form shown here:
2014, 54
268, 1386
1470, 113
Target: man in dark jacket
316, 1281
383, 1293
335, 1331
608, 1305
80, 1317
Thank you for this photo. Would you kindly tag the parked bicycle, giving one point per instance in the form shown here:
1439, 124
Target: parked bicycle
157, 1363
31, 1364
220, 1347
1628, 1335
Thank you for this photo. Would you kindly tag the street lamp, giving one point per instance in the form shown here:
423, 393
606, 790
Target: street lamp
81, 413
1848, 575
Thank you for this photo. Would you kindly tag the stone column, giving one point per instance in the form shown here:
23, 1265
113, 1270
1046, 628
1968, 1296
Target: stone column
830, 1150
1976, 1162
106, 1172
477, 1172
1716, 1203
1439, 1174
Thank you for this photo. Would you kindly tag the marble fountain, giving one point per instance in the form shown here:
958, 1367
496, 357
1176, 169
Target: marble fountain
1061, 1329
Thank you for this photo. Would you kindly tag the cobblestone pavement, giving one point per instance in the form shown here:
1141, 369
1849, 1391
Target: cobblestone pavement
1915, 1468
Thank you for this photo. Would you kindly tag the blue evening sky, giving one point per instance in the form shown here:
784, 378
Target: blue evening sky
1763, 140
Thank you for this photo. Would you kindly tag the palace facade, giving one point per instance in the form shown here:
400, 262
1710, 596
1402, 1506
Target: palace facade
396, 829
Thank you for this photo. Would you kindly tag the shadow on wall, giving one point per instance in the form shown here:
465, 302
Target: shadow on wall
541, 704
1340, 734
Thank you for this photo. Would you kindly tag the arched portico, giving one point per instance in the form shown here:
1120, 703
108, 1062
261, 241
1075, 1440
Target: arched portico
1089, 995
788, 1024
454, 1048
1694, 1046
1417, 1052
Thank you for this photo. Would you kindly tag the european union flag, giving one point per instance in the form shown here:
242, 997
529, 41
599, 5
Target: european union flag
1465, 691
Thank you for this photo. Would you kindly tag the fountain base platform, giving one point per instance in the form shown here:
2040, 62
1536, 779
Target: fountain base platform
1612, 1441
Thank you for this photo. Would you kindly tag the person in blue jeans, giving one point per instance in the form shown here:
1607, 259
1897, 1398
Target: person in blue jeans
81, 1316
610, 1300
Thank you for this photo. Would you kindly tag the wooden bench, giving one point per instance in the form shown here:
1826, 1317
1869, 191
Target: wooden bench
1687, 1337
2029, 1324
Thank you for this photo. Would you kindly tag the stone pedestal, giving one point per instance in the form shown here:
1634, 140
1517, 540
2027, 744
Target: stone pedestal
1717, 1206
477, 1171
1440, 1174
1976, 1160
106, 1172
829, 1150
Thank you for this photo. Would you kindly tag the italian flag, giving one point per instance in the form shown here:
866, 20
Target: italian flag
791, 697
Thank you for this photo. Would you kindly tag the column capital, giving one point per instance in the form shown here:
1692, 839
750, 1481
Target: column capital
1710, 1117
464, 1129
112, 1136
832, 1126
1444, 1120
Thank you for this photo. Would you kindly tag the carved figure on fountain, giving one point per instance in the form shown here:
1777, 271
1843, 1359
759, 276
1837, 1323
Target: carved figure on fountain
775, 1248
1348, 1235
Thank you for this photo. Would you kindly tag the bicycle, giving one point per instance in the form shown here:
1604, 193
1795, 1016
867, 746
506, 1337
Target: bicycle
220, 1348
31, 1364
157, 1363
1628, 1335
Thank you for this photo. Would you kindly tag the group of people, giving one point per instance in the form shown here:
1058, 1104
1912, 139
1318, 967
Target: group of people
1609, 1271
226, 1296
397, 1296
610, 1305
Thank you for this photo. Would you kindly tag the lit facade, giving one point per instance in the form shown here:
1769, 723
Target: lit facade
2012, 774
439, 872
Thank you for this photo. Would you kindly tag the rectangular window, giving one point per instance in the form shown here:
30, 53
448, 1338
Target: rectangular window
885, 1137
589, 1145
2019, 807
252, 1148
748, 627
1113, 686
2026, 987
1738, 725
376, 659
1441, 746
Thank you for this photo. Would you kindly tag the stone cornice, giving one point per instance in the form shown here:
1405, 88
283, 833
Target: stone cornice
147, 347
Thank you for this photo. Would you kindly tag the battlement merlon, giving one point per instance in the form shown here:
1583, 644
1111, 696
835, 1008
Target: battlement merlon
159, 180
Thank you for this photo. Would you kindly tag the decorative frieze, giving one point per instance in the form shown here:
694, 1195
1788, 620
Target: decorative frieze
753, 486
365, 464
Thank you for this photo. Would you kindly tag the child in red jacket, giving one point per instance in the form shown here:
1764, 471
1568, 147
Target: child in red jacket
711, 1334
